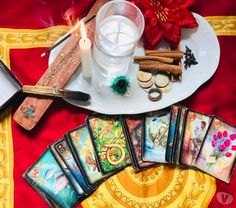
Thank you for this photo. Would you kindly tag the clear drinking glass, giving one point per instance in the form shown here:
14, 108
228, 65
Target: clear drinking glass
119, 26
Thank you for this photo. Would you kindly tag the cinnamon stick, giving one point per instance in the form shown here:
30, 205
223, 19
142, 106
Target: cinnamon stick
158, 66
154, 58
165, 53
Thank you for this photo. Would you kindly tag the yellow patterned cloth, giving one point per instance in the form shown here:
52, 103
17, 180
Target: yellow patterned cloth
162, 186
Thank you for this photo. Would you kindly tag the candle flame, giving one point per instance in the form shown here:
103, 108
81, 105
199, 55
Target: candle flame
83, 30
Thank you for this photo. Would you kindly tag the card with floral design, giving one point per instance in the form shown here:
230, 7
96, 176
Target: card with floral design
218, 152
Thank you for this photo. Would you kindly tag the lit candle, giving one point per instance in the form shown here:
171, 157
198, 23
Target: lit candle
85, 52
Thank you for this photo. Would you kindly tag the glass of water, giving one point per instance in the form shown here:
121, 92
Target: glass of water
119, 26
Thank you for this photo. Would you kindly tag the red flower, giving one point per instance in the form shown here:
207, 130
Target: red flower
233, 147
232, 136
227, 142
164, 18
228, 154
222, 147
215, 137
213, 143
225, 133
219, 135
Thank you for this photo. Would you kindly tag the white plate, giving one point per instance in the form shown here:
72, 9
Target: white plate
203, 43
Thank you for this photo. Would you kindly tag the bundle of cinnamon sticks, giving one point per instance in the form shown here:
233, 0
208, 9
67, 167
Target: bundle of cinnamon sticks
161, 61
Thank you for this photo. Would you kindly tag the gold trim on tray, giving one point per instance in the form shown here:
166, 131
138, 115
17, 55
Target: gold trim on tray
204, 185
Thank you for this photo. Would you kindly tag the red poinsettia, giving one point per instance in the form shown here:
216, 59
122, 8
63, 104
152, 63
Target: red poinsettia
164, 19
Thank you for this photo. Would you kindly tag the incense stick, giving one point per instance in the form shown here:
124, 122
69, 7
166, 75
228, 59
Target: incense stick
67, 36
53, 92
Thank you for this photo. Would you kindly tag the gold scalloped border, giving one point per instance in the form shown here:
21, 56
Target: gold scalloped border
33, 38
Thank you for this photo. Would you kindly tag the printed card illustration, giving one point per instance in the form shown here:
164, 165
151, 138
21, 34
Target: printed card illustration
194, 133
67, 172
218, 153
156, 133
43, 194
179, 136
63, 150
47, 175
82, 145
172, 131
135, 129
109, 142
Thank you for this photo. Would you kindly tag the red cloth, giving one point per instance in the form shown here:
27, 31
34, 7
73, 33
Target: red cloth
217, 96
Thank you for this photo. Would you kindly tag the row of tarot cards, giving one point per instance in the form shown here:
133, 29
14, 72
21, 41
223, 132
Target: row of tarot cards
74, 166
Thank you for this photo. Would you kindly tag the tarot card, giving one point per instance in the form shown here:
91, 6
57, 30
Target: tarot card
109, 142
80, 143
67, 172
46, 197
156, 130
172, 132
134, 126
195, 129
48, 178
63, 151
218, 152
179, 134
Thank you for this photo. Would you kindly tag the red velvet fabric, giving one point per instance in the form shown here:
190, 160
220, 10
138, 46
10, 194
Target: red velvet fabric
217, 96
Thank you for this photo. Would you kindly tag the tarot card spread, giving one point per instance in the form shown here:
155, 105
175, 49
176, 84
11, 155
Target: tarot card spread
156, 133
47, 175
83, 148
218, 152
135, 131
172, 132
67, 172
109, 142
194, 133
63, 150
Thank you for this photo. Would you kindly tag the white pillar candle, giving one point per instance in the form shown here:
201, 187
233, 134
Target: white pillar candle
85, 53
